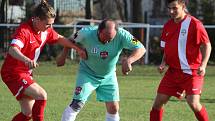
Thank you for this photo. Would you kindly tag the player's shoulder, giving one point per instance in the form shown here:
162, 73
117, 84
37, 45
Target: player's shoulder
195, 21
169, 23
89, 28
123, 32
24, 28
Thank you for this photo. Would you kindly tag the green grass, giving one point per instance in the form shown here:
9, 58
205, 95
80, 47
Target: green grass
137, 91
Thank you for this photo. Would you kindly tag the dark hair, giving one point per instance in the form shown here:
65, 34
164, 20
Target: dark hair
179, 1
44, 10
102, 25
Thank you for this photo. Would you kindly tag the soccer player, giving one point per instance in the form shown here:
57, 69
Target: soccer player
186, 52
24, 50
98, 72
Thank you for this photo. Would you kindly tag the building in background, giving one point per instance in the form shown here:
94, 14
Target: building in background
14, 11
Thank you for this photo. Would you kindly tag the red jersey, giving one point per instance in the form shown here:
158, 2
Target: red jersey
181, 42
30, 44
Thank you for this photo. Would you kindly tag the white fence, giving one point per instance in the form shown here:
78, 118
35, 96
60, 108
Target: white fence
75, 25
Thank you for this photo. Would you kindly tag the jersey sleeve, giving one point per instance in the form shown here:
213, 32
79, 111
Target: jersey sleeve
79, 35
202, 36
19, 38
52, 37
128, 40
163, 38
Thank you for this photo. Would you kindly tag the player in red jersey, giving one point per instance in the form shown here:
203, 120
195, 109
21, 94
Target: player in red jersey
25, 48
181, 40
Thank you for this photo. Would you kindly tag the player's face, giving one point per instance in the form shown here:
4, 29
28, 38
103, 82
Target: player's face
108, 33
176, 10
44, 24
47, 23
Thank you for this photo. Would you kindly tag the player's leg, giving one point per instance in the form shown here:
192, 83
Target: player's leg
193, 95
22, 85
40, 96
108, 92
166, 89
72, 110
112, 111
198, 109
84, 87
26, 104
157, 108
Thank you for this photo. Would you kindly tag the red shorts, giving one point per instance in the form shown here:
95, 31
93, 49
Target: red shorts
17, 83
175, 82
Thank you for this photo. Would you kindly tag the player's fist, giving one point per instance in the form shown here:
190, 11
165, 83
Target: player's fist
201, 71
161, 68
83, 53
126, 66
31, 64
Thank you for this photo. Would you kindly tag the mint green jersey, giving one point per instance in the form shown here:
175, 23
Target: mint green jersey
102, 58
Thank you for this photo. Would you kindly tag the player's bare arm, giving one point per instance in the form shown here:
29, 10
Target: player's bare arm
127, 61
206, 51
61, 58
16, 53
67, 43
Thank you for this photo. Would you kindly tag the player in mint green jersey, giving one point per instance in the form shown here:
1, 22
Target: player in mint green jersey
103, 45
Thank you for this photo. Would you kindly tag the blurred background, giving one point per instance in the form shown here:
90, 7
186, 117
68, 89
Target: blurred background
143, 18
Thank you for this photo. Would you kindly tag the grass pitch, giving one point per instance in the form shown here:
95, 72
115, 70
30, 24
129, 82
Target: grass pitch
137, 91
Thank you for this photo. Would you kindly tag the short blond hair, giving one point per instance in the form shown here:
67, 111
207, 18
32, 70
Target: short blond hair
44, 10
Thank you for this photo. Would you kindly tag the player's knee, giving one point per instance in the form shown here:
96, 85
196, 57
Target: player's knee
76, 105
160, 101
42, 95
195, 106
194, 103
159, 104
113, 109
27, 113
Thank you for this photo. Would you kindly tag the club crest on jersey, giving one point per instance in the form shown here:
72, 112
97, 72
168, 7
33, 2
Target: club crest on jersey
183, 32
78, 90
104, 54
134, 41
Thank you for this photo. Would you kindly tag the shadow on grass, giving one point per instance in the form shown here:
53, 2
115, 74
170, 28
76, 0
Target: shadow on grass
171, 100
208, 100
202, 100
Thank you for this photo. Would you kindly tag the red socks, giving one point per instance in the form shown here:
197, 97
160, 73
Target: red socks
38, 110
156, 115
21, 117
202, 115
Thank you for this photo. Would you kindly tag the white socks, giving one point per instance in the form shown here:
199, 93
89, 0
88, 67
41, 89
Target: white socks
112, 117
69, 114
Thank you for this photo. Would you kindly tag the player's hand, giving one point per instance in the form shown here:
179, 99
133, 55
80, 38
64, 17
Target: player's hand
61, 58
201, 71
126, 66
31, 64
161, 68
82, 53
